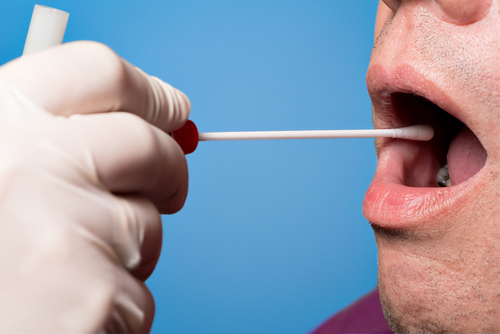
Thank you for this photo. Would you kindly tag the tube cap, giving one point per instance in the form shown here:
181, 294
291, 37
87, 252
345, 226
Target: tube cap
187, 137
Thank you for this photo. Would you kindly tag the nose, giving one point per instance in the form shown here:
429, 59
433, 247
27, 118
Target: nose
460, 12
463, 11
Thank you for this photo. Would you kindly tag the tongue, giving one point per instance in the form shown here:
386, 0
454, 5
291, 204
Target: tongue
466, 156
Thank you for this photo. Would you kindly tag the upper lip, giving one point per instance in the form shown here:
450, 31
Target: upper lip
402, 195
382, 85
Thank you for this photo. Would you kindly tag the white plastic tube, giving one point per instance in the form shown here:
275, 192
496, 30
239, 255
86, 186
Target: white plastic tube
46, 29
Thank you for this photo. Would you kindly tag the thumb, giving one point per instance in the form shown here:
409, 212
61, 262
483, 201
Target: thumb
88, 77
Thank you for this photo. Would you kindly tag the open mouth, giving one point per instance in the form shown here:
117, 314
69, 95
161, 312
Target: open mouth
453, 156
405, 191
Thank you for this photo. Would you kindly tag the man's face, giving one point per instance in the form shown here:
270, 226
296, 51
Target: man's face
437, 62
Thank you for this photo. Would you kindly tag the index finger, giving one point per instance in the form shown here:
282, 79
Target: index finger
89, 77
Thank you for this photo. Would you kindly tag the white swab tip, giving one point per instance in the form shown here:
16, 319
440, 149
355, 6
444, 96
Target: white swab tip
415, 132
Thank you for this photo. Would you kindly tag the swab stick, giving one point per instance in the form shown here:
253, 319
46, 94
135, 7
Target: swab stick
414, 132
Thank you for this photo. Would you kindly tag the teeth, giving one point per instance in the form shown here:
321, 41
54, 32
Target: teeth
443, 177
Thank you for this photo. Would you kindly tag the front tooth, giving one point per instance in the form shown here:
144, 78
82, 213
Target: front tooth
443, 177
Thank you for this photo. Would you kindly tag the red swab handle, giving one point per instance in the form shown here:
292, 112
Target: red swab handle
187, 137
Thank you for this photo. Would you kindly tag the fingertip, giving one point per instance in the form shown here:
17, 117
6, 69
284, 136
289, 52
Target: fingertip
168, 108
86, 77
151, 236
176, 200
185, 102
172, 205
172, 174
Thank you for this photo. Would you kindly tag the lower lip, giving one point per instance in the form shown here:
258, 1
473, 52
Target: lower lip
395, 206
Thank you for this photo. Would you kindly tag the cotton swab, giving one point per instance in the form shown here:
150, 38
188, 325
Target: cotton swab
414, 132
188, 136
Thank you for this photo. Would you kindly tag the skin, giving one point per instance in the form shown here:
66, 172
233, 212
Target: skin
438, 248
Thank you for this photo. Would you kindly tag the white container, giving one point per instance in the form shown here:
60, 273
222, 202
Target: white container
46, 29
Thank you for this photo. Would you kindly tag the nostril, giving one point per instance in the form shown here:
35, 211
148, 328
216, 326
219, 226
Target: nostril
463, 12
392, 4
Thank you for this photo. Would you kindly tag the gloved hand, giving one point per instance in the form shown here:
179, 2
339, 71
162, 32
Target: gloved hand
86, 165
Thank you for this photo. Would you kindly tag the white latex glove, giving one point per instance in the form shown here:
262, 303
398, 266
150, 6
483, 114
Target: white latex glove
83, 177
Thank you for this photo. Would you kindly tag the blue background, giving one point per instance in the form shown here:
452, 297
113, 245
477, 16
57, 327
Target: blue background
272, 238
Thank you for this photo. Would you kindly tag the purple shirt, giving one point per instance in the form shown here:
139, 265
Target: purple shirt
363, 316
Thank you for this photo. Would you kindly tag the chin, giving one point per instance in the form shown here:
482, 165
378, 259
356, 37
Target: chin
420, 295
